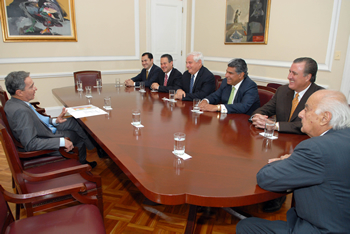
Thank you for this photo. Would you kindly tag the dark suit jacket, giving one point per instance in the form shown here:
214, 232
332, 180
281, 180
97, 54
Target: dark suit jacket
318, 172
246, 99
281, 105
27, 127
173, 80
151, 76
202, 87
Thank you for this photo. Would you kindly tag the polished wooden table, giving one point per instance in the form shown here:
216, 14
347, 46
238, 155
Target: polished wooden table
227, 151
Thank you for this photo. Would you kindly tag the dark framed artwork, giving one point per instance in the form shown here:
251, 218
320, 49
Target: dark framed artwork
247, 21
38, 20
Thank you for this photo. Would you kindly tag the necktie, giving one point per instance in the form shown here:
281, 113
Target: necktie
45, 120
191, 84
230, 99
146, 74
166, 80
295, 103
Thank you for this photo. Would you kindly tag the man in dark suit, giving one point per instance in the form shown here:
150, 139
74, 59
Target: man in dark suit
237, 93
317, 171
37, 132
148, 73
170, 76
302, 77
197, 81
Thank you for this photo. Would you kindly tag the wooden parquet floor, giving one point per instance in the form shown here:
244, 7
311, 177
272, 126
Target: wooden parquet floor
125, 212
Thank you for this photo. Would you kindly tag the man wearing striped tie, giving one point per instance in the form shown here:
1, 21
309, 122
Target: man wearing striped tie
286, 104
237, 93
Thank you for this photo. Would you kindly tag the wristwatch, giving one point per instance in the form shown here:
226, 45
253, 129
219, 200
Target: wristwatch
277, 126
219, 107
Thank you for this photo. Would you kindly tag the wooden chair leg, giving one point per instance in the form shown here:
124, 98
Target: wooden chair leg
18, 211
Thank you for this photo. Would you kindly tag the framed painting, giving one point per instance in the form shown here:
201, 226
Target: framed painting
247, 21
38, 20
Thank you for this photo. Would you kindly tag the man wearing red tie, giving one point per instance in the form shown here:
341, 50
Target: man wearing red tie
169, 78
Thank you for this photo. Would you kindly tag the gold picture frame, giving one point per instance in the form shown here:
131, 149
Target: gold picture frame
247, 21
38, 20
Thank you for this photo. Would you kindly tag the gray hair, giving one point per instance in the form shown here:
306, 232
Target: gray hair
335, 103
240, 65
15, 81
197, 56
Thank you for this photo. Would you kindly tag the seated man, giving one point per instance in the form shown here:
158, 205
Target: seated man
148, 73
38, 132
317, 171
287, 102
290, 99
197, 81
237, 93
170, 76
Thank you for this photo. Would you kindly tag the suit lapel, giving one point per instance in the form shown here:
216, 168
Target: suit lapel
302, 102
197, 79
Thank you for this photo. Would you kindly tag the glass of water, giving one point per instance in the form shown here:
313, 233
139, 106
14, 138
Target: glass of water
88, 91
172, 94
179, 143
196, 104
270, 125
136, 117
79, 85
99, 83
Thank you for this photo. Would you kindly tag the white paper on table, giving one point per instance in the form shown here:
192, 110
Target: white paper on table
137, 125
199, 112
85, 111
169, 100
183, 156
272, 138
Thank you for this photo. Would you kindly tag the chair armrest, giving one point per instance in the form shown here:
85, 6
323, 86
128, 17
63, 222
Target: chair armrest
31, 154
43, 195
73, 154
56, 174
35, 104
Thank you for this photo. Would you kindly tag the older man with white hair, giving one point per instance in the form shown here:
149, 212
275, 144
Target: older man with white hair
317, 172
197, 82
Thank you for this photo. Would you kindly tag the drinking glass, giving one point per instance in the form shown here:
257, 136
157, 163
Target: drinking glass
172, 94
270, 127
99, 83
179, 143
195, 104
108, 104
136, 117
88, 91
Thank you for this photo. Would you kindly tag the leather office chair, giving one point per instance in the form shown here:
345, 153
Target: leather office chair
88, 78
4, 98
84, 218
265, 94
218, 81
273, 85
38, 157
50, 176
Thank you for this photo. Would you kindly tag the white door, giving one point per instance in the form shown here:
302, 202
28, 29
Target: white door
167, 32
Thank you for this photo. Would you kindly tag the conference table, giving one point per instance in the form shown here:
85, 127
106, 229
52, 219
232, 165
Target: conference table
227, 151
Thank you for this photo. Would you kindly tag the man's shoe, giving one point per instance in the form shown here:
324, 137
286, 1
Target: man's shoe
101, 153
92, 164
274, 205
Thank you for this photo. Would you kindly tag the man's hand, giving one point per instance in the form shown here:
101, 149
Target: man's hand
155, 86
60, 118
180, 94
68, 145
129, 82
203, 103
259, 120
205, 106
278, 159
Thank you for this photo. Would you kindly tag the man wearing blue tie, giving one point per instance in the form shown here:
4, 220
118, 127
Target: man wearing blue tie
38, 132
237, 93
197, 81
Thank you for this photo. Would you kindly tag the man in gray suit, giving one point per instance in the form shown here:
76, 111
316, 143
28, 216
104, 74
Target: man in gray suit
317, 171
38, 132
